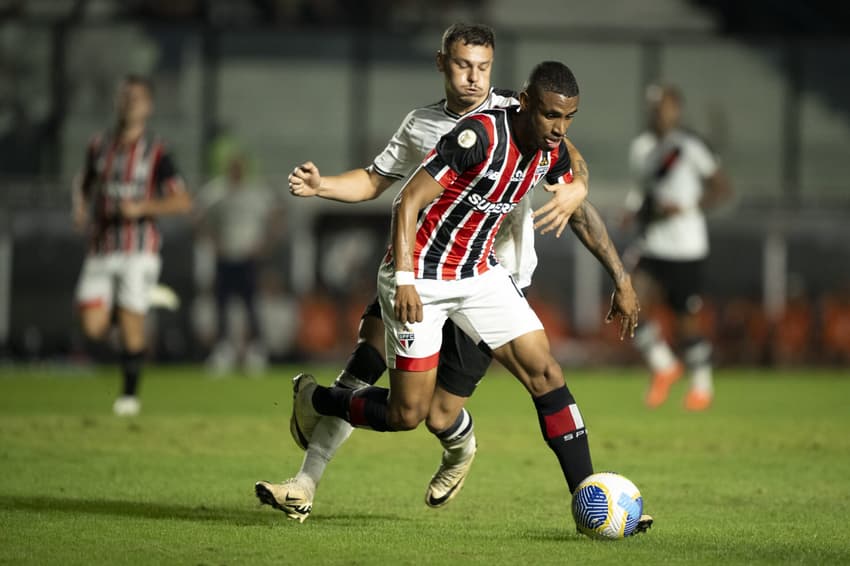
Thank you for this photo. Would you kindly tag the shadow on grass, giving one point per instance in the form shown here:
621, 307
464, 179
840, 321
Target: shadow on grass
147, 510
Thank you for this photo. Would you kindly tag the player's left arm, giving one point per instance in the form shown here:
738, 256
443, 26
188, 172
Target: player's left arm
416, 195
588, 226
566, 197
716, 186
174, 197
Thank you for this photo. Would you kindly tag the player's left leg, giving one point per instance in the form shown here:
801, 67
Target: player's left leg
138, 274
665, 366
499, 315
529, 359
132, 327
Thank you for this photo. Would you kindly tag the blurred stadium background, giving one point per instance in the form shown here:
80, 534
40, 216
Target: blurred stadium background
768, 83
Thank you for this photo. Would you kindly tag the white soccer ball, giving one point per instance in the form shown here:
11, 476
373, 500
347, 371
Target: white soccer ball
607, 505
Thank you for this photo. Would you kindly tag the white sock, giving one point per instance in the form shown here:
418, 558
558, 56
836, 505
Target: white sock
459, 450
660, 357
657, 353
702, 380
330, 433
698, 358
458, 440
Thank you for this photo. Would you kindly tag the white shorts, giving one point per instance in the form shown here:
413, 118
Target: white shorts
125, 279
489, 308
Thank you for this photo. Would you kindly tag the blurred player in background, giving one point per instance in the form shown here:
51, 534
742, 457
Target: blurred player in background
129, 179
242, 218
677, 177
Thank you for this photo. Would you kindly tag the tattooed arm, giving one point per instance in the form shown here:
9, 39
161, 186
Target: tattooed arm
555, 214
588, 226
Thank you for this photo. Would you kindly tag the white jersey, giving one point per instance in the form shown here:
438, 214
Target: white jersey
420, 131
671, 170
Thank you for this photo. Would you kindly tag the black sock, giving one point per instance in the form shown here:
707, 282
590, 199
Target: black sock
366, 363
563, 429
363, 408
131, 368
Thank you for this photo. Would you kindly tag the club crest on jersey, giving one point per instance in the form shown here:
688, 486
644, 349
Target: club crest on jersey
405, 338
466, 139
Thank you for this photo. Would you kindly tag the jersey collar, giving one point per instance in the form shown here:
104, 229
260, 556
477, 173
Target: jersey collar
482, 106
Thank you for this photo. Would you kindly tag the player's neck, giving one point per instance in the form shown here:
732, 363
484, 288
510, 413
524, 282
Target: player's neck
461, 109
129, 133
519, 131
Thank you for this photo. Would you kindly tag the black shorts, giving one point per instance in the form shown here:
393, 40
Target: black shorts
462, 362
680, 281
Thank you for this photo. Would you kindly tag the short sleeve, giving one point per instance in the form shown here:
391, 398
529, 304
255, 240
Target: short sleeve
560, 171
166, 175
397, 160
462, 148
703, 158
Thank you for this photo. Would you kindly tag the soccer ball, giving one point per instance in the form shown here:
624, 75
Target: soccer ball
607, 505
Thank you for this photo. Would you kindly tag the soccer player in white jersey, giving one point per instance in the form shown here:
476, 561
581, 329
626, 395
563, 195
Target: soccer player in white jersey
128, 180
677, 176
587, 224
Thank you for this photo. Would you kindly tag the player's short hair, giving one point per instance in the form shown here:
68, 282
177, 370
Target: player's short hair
136, 79
552, 76
468, 34
657, 91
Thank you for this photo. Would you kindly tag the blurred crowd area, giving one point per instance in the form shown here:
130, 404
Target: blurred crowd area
326, 88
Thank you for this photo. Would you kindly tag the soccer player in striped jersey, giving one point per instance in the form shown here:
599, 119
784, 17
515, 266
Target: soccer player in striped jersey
441, 265
465, 60
128, 180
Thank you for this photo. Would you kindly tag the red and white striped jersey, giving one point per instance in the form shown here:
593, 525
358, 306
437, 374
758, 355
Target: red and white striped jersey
115, 172
484, 175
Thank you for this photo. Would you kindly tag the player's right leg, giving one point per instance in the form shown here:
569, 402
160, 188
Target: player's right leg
462, 365
323, 437
665, 367
94, 296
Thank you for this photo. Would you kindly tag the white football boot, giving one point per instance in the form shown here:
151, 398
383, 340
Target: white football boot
127, 406
449, 477
292, 497
304, 417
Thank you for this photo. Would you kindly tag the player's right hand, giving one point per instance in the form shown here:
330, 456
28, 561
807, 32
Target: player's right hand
408, 305
305, 180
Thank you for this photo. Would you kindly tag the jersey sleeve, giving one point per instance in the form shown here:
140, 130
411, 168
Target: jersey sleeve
459, 150
560, 171
702, 157
397, 160
89, 173
167, 178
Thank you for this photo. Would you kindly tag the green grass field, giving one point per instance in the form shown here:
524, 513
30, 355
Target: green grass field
762, 478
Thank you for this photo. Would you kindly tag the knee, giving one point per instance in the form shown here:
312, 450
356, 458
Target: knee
439, 420
95, 329
404, 418
544, 377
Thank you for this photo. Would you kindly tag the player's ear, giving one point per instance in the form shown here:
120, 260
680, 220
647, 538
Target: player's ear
523, 100
440, 60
